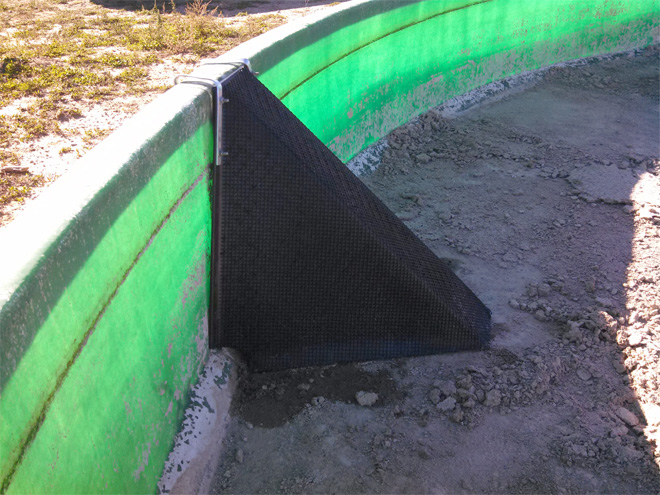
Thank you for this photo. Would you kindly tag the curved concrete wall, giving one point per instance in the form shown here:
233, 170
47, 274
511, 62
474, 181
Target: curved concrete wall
104, 282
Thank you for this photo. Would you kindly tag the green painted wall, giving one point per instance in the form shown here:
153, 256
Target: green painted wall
103, 308
109, 426
103, 313
370, 76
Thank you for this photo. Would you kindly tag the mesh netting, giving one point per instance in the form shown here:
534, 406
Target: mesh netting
314, 269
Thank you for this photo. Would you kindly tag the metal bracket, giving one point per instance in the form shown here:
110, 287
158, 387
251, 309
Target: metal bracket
243, 61
216, 197
218, 100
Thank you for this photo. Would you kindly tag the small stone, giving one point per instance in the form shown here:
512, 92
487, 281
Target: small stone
590, 285
628, 209
627, 416
619, 367
462, 393
456, 416
618, 431
464, 381
493, 398
366, 399
423, 158
448, 388
635, 339
514, 304
540, 315
434, 396
574, 334
544, 290
481, 395
469, 404
447, 405
584, 374
317, 401
578, 449
239, 456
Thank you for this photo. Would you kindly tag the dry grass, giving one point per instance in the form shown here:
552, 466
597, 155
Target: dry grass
58, 57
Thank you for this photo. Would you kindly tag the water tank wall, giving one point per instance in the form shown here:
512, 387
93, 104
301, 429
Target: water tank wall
104, 279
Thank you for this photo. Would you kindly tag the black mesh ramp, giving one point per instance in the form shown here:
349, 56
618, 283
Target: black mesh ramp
314, 269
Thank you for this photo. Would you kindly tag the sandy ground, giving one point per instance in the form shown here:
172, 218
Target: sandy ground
545, 200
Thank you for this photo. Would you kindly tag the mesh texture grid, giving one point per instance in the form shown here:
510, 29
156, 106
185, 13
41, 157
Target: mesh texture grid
313, 268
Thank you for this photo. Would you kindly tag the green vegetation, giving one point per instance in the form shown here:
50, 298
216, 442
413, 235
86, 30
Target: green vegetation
15, 187
58, 57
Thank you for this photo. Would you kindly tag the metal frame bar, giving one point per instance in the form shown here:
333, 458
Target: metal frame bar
216, 199
218, 100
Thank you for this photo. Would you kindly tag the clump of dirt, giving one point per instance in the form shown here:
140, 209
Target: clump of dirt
545, 200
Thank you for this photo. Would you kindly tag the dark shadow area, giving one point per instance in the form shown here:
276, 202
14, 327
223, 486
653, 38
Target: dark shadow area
271, 399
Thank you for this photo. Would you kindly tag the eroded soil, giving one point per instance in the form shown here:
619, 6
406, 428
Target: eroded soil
545, 200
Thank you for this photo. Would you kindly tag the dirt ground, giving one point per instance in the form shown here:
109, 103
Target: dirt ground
545, 199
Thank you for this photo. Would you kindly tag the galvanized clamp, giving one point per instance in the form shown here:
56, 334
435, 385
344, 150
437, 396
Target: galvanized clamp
243, 61
218, 100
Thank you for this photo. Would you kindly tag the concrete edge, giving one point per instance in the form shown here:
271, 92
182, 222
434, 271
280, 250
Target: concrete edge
197, 447
27, 239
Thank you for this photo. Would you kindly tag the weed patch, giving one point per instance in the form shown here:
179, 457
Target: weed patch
17, 187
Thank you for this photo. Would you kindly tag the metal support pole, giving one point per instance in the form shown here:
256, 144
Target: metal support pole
216, 213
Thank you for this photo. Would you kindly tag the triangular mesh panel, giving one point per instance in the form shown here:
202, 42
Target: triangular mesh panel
313, 268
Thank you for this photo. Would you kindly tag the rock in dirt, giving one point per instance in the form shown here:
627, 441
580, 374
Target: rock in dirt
464, 382
544, 290
584, 374
493, 398
456, 416
627, 416
447, 388
423, 158
609, 185
447, 405
434, 396
619, 367
635, 339
366, 399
